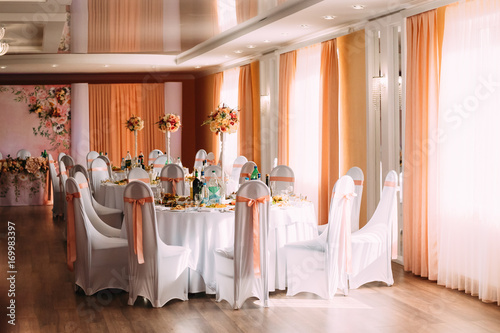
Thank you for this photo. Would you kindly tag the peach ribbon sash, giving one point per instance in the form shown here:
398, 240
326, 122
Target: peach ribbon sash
90, 160
158, 166
71, 235
237, 165
345, 233
281, 179
199, 159
174, 182
256, 228
243, 175
394, 221
358, 182
137, 222
83, 185
145, 180
212, 162
99, 169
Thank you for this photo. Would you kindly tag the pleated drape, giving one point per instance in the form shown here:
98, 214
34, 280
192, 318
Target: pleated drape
287, 67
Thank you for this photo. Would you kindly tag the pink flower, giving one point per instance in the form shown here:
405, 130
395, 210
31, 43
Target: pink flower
32, 100
61, 120
59, 138
48, 124
41, 94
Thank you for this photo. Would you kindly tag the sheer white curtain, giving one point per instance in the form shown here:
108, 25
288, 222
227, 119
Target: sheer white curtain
304, 127
229, 96
467, 185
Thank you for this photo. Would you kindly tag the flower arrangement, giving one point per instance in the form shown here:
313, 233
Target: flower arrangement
134, 124
169, 123
32, 165
223, 120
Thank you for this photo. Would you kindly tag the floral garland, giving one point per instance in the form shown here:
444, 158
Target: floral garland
169, 122
223, 119
32, 165
134, 123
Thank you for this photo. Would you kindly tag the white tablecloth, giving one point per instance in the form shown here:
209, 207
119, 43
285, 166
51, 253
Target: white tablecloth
111, 195
203, 232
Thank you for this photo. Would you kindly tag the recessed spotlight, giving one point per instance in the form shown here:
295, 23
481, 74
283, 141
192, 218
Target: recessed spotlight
329, 17
358, 6
304, 26
267, 41
284, 33
226, 56
238, 51
3, 67
54, 65
197, 66
153, 66
106, 66
251, 46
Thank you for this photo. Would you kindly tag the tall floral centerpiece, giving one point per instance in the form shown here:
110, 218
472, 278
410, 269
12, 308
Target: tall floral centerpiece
169, 123
223, 120
135, 124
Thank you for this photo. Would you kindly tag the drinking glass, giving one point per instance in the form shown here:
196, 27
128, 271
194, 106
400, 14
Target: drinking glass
197, 199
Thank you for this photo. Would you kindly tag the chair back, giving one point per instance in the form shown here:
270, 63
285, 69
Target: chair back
281, 178
53, 175
159, 163
250, 241
170, 174
153, 155
358, 178
23, 154
138, 174
208, 172
246, 171
200, 156
232, 184
91, 156
98, 172
69, 163
210, 159
108, 164
83, 170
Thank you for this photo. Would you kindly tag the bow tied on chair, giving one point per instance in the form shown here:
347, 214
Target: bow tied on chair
137, 216
71, 234
254, 203
174, 182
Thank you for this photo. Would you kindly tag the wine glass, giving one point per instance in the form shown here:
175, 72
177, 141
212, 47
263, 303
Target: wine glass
197, 199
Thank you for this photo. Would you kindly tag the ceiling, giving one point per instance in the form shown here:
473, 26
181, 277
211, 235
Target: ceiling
34, 29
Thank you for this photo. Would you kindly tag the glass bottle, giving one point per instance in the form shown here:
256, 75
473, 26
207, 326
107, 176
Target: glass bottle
255, 173
214, 189
128, 160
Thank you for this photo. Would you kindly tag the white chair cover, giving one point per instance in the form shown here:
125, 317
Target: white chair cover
241, 271
246, 171
97, 222
91, 156
201, 155
63, 176
1, 156
158, 271
170, 174
234, 180
358, 177
101, 262
82, 169
210, 159
58, 207
153, 155
108, 164
159, 163
59, 157
23, 154
138, 174
320, 265
375, 244
98, 172
69, 163
208, 172
281, 178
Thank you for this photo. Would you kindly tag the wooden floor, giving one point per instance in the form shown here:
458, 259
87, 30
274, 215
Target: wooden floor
46, 302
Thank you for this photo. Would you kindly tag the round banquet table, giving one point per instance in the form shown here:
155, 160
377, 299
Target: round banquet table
206, 230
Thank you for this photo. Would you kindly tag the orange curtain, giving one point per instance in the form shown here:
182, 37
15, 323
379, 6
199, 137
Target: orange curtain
110, 105
420, 239
329, 134
249, 104
125, 26
288, 63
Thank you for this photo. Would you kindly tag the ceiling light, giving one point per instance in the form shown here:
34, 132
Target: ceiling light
226, 56
305, 26
3, 67
197, 66
267, 41
4, 47
358, 6
106, 66
238, 51
54, 65
329, 17
251, 46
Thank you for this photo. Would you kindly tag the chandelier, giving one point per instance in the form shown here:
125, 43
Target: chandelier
4, 47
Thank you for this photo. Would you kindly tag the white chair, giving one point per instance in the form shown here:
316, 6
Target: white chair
210, 159
98, 172
1, 156
153, 155
281, 178
63, 176
158, 272
108, 164
111, 216
159, 163
91, 156
242, 271
23, 154
320, 265
58, 194
358, 177
246, 171
138, 174
375, 243
201, 155
208, 172
69, 163
100, 262
232, 184
172, 180
94, 218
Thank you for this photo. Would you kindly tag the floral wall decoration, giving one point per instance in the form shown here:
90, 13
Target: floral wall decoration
40, 119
